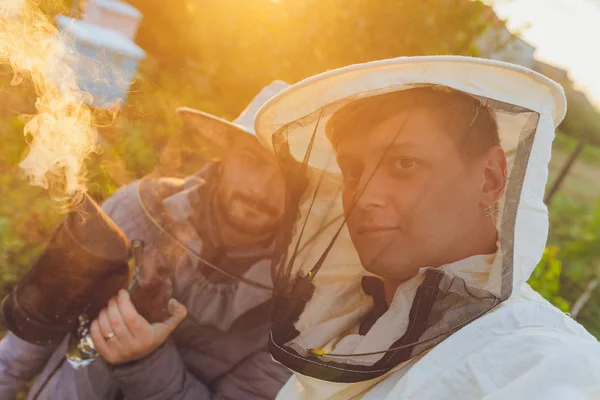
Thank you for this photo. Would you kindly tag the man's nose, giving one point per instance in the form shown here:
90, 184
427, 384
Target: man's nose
372, 191
266, 183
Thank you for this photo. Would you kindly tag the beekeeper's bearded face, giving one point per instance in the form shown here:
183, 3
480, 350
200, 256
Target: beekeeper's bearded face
422, 171
250, 192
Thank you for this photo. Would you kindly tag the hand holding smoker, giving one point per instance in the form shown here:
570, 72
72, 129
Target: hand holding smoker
86, 262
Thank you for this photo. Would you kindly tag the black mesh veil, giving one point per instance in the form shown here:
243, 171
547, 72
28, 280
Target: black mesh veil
324, 324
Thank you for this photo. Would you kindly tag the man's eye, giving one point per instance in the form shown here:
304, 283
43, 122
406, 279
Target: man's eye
402, 167
404, 164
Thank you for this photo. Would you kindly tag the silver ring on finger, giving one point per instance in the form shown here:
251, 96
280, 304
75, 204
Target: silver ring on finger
109, 336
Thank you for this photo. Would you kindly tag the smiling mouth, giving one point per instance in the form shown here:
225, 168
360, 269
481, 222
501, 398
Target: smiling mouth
253, 208
256, 206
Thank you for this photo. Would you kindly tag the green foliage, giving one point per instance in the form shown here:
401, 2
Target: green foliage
576, 228
545, 279
582, 255
27, 215
572, 258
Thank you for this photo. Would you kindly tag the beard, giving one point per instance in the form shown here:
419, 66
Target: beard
247, 214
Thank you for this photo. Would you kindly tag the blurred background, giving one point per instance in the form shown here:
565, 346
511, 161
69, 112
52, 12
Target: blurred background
215, 55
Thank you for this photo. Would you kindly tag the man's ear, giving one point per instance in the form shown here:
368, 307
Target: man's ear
494, 176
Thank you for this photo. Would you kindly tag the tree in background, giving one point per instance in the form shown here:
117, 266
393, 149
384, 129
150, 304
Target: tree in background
241, 45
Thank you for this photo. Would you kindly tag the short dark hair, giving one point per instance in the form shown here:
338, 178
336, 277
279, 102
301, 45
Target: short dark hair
471, 123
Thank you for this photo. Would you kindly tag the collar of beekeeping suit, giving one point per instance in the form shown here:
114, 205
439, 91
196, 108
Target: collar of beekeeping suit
320, 298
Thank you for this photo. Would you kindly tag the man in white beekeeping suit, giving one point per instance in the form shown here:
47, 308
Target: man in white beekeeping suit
415, 216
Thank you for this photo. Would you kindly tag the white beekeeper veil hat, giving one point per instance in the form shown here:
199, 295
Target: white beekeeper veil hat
320, 300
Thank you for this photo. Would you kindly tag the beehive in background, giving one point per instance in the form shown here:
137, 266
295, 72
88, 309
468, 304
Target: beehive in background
113, 14
104, 55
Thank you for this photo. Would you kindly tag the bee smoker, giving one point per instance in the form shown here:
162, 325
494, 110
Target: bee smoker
86, 262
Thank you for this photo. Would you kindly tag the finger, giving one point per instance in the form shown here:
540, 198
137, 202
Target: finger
132, 319
117, 324
109, 337
178, 313
104, 325
99, 341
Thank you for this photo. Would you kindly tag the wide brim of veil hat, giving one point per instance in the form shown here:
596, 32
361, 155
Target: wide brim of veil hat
497, 80
221, 131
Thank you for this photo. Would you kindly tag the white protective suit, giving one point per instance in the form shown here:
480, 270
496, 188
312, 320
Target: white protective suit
484, 332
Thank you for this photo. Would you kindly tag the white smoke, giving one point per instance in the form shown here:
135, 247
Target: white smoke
61, 135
